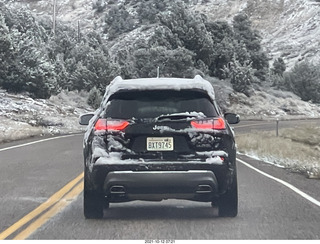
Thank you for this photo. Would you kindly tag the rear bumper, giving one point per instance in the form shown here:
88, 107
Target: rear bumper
196, 185
157, 180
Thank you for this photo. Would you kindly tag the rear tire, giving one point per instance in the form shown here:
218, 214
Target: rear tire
228, 202
92, 202
92, 205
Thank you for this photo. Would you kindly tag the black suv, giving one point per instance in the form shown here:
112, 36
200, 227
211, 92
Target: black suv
159, 138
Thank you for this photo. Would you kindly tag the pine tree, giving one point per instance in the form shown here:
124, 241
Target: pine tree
172, 63
99, 5
6, 54
279, 67
94, 98
190, 28
28, 67
118, 21
91, 64
252, 40
304, 81
241, 76
34, 71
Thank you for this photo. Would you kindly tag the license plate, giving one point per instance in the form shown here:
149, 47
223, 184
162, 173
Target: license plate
160, 143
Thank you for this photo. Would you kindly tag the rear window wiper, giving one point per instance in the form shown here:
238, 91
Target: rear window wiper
180, 116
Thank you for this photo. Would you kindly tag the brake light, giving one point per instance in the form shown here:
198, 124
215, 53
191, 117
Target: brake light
101, 125
110, 125
209, 124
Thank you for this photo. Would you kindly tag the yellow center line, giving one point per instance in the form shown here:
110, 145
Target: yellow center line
42, 208
66, 200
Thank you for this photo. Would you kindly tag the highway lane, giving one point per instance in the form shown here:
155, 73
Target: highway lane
31, 174
267, 210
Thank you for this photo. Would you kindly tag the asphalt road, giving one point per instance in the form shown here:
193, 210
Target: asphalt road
41, 198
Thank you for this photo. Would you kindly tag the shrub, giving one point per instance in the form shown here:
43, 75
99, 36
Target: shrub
241, 76
94, 98
279, 67
304, 81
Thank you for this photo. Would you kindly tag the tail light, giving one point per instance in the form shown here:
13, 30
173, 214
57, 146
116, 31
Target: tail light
110, 125
209, 124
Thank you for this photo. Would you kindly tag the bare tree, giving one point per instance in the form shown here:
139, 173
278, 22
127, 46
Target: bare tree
54, 17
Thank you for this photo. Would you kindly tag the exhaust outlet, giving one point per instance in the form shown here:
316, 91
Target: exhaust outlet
204, 189
117, 190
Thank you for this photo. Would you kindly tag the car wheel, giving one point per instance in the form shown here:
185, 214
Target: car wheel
228, 202
92, 203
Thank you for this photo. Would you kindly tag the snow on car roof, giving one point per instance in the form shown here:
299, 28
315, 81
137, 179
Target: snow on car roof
178, 84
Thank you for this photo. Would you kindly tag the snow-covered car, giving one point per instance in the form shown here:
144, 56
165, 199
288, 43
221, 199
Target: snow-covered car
159, 138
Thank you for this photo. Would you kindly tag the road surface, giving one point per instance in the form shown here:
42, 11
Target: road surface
41, 198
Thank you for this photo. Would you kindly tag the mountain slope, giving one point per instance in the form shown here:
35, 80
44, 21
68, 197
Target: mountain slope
264, 15
289, 28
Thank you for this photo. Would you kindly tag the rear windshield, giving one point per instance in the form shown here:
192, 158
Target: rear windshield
152, 104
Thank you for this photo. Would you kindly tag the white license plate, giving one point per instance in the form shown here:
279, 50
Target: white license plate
160, 143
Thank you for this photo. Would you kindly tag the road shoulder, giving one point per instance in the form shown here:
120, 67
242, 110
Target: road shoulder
308, 186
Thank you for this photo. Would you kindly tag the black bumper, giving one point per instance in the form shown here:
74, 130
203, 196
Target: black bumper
179, 180
158, 185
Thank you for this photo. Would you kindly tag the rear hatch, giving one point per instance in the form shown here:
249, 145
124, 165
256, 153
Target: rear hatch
163, 125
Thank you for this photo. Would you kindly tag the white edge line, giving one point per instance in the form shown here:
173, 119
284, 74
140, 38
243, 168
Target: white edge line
35, 142
293, 188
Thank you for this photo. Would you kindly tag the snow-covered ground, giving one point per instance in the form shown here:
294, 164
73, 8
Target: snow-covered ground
264, 103
272, 104
22, 117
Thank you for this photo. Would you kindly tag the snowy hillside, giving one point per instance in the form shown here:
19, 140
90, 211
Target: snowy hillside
266, 104
290, 28
22, 117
